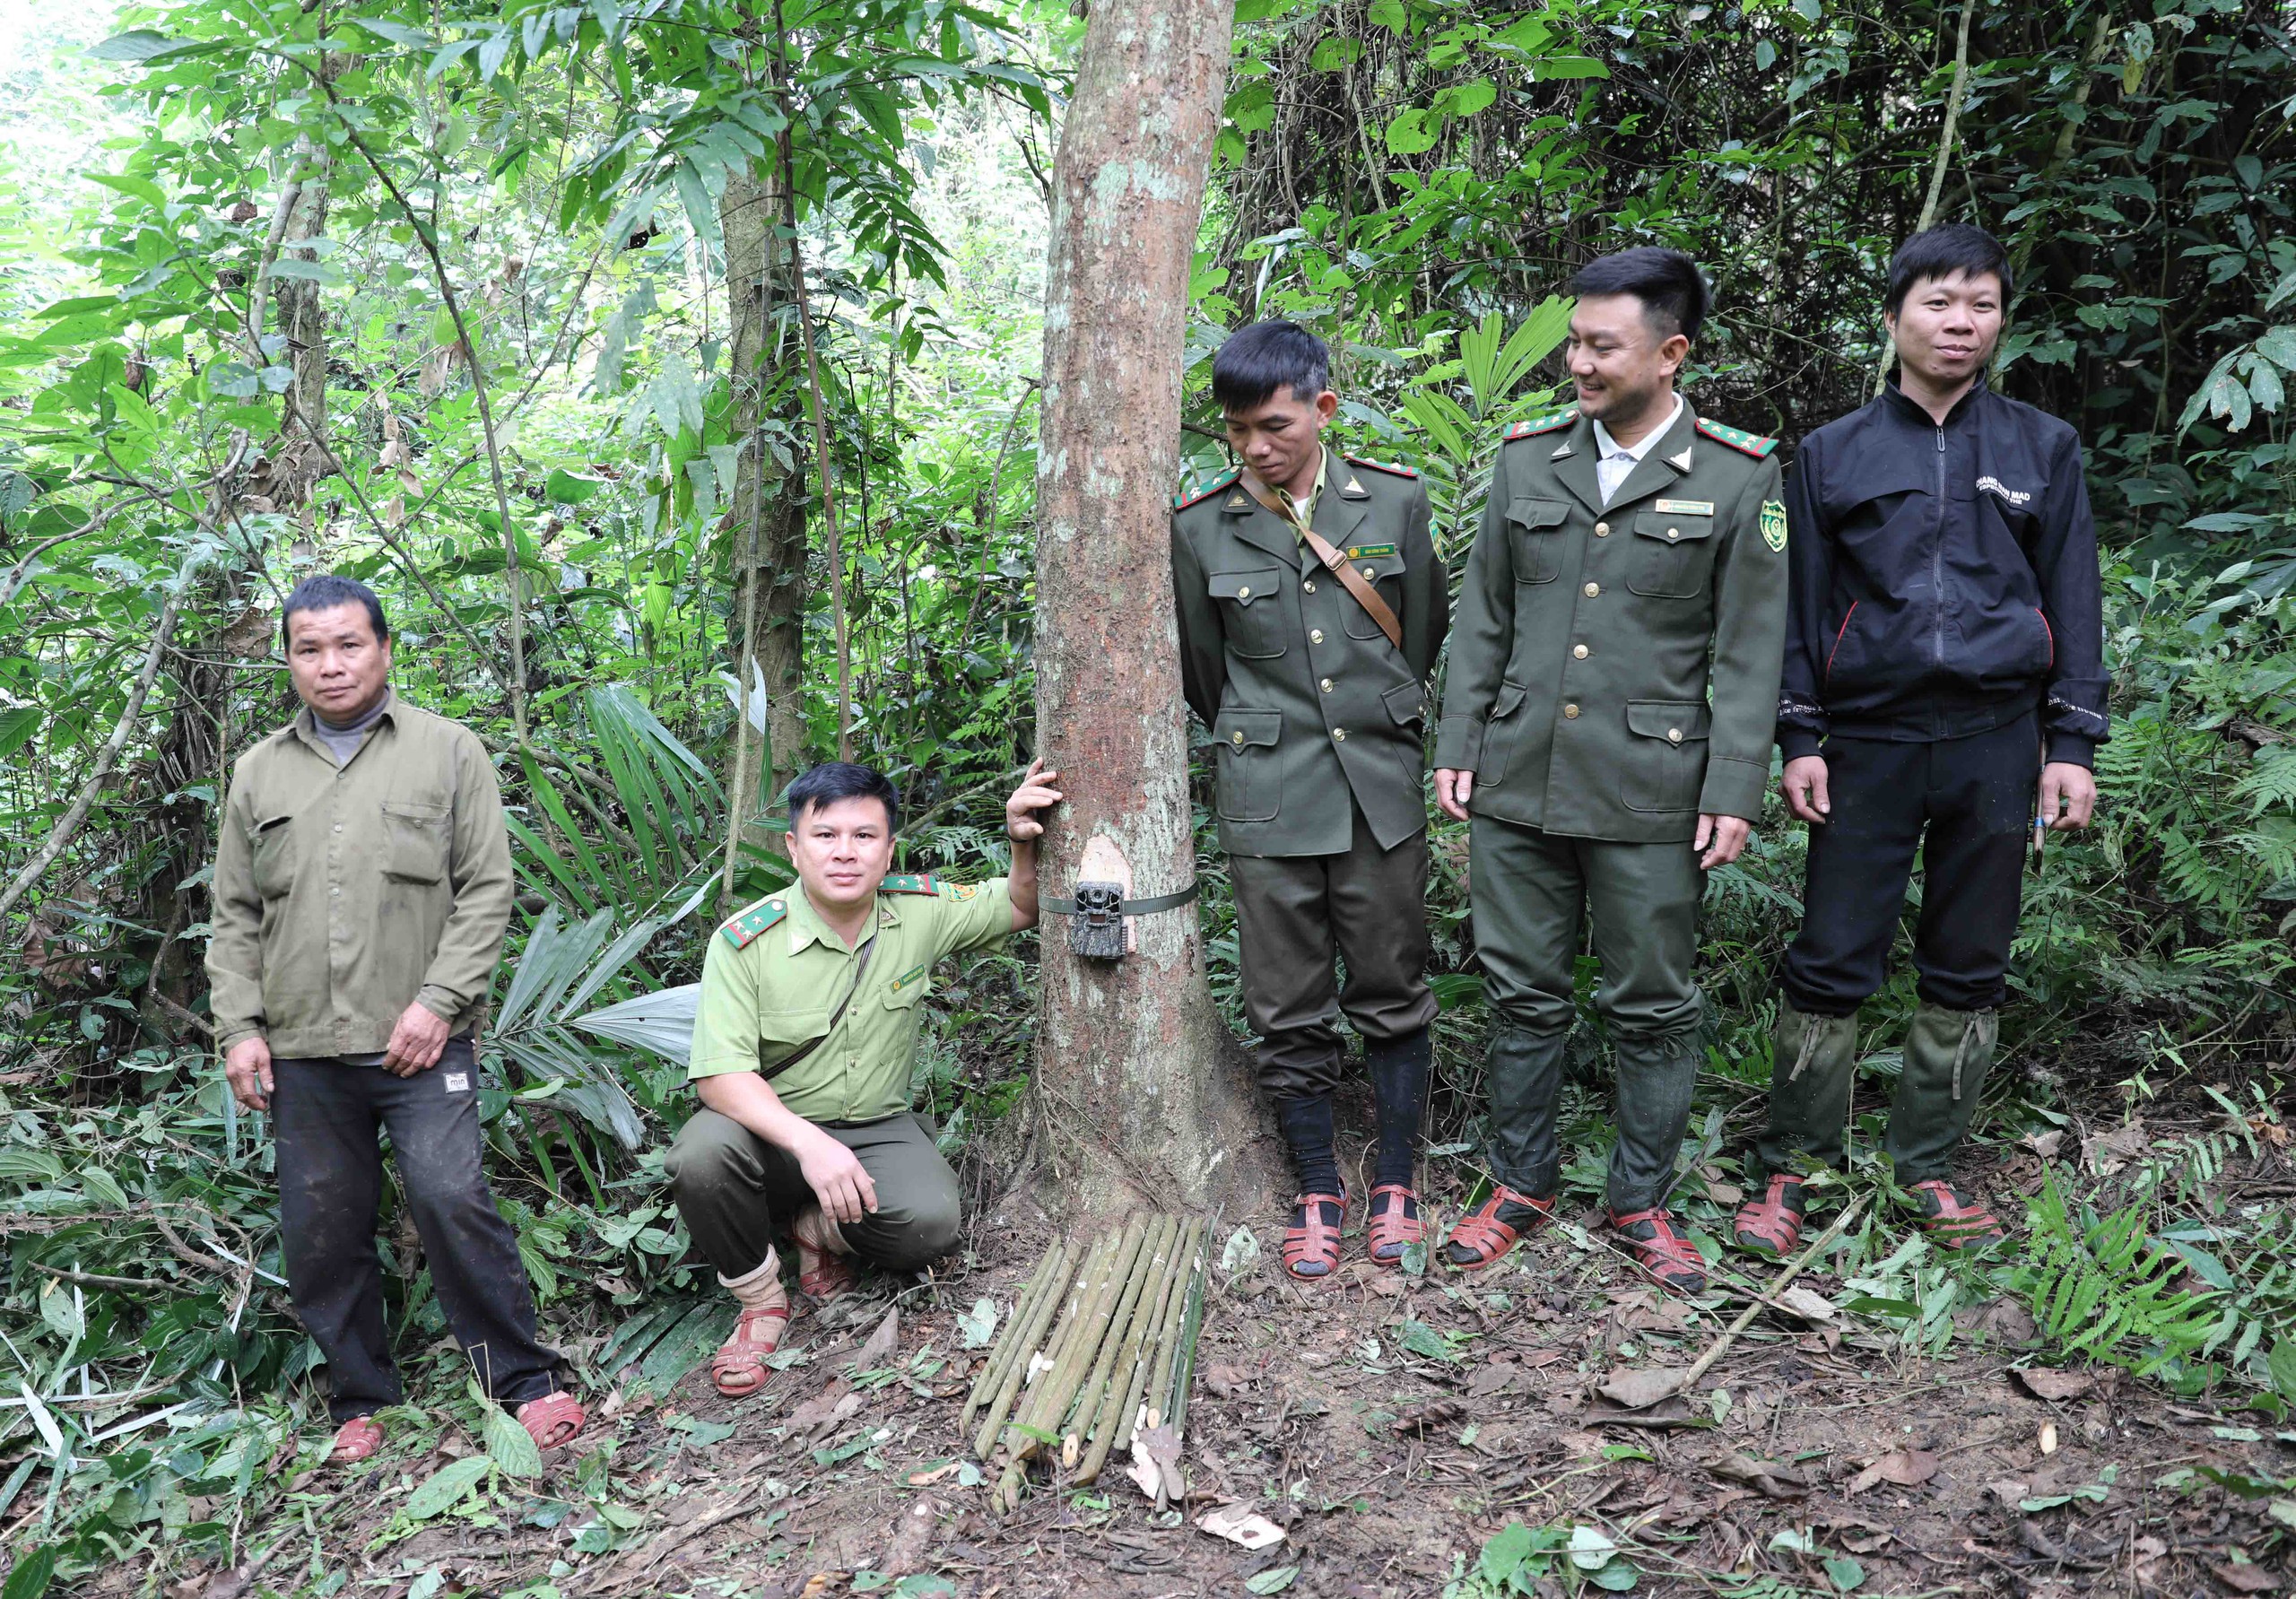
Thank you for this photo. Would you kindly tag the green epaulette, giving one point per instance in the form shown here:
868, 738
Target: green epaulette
1751, 444
911, 882
743, 926
1180, 502
1385, 467
1544, 424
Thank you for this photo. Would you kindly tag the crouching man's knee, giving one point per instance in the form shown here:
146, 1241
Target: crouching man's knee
911, 1233
709, 1151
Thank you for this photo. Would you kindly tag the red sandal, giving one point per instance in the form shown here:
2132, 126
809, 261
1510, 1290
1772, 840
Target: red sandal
1952, 1221
738, 1368
1481, 1238
1670, 1259
1312, 1244
822, 1273
1395, 1223
553, 1419
357, 1439
1772, 1224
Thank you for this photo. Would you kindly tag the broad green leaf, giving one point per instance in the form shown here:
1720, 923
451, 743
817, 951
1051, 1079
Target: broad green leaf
1275, 1579
140, 44
510, 1445
29, 1577
447, 1487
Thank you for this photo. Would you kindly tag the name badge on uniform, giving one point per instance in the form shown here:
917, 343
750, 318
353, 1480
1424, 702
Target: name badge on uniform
1686, 508
1370, 551
457, 1083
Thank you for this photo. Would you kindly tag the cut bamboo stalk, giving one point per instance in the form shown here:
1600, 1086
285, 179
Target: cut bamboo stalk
1114, 1424
1061, 1337
1001, 1356
1050, 1402
1184, 1360
1063, 1290
1168, 1337
1155, 1245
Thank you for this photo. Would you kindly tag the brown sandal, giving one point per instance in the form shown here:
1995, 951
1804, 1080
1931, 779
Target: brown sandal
357, 1439
1952, 1221
553, 1419
1481, 1238
1772, 1224
1395, 1223
738, 1368
1312, 1244
1670, 1259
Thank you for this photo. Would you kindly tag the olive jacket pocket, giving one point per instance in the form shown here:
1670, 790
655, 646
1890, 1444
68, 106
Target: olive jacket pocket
1249, 612
1534, 528
1251, 768
1673, 555
1665, 759
415, 841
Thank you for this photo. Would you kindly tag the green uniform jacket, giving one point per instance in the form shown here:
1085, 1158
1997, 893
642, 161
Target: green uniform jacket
1308, 700
1588, 635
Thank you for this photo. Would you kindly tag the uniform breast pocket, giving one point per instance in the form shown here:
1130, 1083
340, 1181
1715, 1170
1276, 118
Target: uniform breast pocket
905, 990
1673, 555
1249, 611
1382, 565
1665, 757
1252, 773
1535, 530
273, 849
415, 841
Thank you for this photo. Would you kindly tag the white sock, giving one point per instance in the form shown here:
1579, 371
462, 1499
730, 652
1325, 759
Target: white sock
760, 1290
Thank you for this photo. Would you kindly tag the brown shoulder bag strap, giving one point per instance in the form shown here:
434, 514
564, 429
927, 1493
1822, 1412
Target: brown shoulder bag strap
860, 971
1333, 561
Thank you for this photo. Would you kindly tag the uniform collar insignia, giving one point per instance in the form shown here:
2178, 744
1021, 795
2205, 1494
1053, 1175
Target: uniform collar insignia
1354, 488
1679, 463
1238, 502
1561, 450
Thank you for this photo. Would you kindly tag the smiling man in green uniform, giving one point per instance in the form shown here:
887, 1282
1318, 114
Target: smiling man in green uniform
802, 1052
1631, 561
1311, 604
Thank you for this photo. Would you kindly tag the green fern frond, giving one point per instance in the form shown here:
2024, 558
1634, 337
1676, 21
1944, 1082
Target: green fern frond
2104, 1289
2270, 784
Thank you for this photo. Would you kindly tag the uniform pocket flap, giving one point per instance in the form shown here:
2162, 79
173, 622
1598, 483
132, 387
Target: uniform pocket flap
1406, 702
1242, 729
1672, 527
1509, 697
416, 812
1244, 587
1536, 513
1673, 720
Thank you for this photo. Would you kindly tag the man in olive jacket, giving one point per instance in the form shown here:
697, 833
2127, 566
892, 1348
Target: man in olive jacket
362, 888
1631, 558
1311, 605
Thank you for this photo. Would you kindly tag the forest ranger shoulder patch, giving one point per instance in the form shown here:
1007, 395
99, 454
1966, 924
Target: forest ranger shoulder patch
1773, 525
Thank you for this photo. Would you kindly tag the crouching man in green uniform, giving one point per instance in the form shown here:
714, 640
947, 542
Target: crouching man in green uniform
801, 1050
1311, 604
1632, 558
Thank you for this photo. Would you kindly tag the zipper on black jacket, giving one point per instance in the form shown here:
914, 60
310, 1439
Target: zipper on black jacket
1937, 555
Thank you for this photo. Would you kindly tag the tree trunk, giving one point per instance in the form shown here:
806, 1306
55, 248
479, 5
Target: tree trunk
1137, 1085
766, 524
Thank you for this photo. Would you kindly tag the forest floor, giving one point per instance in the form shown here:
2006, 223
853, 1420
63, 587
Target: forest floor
1391, 1425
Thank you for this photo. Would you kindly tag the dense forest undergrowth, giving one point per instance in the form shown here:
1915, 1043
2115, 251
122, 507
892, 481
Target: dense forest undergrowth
671, 368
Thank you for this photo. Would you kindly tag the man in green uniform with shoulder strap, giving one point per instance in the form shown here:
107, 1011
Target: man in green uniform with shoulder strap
1311, 605
802, 1052
1631, 561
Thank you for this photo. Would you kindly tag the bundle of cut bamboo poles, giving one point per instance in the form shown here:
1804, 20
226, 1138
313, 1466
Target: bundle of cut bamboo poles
1096, 1344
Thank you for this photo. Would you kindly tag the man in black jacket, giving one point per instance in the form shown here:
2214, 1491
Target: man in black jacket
1944, 659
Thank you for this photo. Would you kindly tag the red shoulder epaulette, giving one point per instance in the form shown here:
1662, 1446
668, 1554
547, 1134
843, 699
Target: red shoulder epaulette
1380, 465
1751, 444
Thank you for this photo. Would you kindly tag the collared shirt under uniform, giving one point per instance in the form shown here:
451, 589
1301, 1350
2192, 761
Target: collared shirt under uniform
345, 893
1618, 461
775, 972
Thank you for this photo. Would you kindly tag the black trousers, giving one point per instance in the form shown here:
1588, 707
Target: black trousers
1967, 805
1366, 907
326, 1113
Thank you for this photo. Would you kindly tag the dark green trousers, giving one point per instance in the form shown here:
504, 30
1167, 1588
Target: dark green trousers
736, 1191
1532, 891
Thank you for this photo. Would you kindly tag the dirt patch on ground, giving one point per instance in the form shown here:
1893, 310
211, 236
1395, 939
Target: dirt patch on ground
1391, 1427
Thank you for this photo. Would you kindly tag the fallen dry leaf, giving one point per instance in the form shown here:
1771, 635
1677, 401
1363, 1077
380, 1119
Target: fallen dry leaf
1580, 1443
1778, 1481
1491, 1378
1908, 1468
1155, 1466
826, 1408
2108, 1152
881, 1344
2009, 1492
2046, 1382
1240, 1525
1726, 1192
905, 1553
1640, 1390
947, 1468
1428, 1413
2243, 1578
821, 1582
2048, 1437
2044, 1145
1806, 1303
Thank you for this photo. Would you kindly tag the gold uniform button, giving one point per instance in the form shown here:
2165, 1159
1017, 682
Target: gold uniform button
1238, 741
1370, 572
1672, 533
1602, 530
1674, 735
1339, 735
1308, 587
1577, 652
1569, 713
1594, 589
1243, 593
1316, 637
